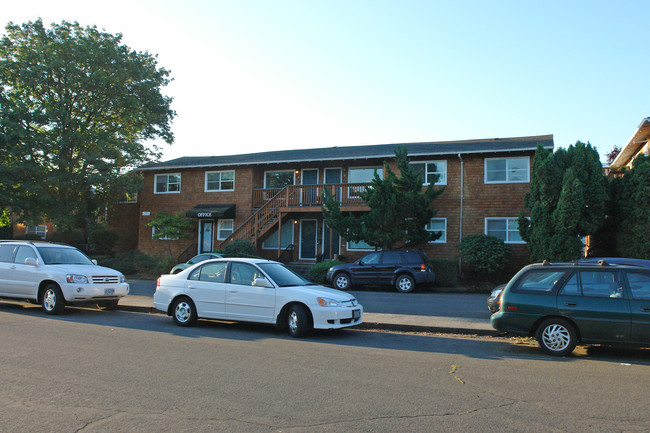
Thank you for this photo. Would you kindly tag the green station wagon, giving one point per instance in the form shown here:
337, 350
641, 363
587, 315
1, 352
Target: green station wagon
564, 304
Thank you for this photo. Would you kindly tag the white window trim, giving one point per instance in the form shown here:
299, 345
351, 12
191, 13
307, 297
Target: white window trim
442, 239
293, 171
485, 170
38, 230
426, 171
155, 183
507, 219
340, 169
220, 181
219, 224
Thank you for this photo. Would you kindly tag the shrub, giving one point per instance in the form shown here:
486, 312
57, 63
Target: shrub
29, 237
318, 272
446, 271
131, 262
102, 240
240, 248
72, 237
486, 253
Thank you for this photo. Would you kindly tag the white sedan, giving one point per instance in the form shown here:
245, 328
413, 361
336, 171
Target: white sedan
254, 290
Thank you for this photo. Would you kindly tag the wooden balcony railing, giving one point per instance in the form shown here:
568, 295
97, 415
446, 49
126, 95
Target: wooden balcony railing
310, 195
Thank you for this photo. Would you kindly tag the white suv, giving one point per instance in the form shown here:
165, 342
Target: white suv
54, 275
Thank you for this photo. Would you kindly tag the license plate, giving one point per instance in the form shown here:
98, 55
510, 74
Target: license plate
109, 291
356, 314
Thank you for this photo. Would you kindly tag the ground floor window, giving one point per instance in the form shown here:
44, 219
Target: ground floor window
506, 229
162, 238
224, 229
438, 225
39, 230
360, 246
271, 243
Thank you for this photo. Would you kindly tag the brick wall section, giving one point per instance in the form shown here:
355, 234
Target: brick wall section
480, 200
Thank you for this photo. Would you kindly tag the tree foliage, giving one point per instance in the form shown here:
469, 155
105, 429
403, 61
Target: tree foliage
170, 227
631, 199
487, 254
399, 209
566, 201
77, 108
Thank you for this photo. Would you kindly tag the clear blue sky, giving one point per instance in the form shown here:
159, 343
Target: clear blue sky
262, 75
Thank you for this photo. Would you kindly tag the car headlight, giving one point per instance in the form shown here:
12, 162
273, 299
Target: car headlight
122, 279
327, 302
76, 279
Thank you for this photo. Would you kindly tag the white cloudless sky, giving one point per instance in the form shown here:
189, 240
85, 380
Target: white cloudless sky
258, 75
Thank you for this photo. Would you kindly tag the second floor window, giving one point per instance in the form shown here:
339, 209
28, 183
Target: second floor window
507, 170
428, 171
278, 179
167, 183
220, 181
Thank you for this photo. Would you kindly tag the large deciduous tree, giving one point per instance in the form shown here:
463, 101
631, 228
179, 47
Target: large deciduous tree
566, 201
78, 109
399, 209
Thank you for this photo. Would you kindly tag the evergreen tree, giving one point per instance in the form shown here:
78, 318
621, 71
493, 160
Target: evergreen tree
399, 209
632, 219
566, 201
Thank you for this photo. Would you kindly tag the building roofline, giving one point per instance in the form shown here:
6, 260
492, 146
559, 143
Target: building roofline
632, 147
382, 154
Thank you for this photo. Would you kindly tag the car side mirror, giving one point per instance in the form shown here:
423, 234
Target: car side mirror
31, 261
360, 262
94, 261
262, 282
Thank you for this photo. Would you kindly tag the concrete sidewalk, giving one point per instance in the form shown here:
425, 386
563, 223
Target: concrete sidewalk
393, 322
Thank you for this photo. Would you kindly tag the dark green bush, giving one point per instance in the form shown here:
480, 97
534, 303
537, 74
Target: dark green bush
240, 248
102, 240
486, 254
446, 271
29, 237
318, 272
132, 262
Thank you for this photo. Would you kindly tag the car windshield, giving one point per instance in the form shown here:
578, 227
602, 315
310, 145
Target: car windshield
283, 276
63, 256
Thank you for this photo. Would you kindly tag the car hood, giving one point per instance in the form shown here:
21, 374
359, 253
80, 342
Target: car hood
83, 269
321, 291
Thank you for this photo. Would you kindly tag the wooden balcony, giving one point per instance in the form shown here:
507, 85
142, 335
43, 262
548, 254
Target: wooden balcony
297, 198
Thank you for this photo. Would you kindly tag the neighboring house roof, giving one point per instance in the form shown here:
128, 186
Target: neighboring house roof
634, 146
516, 144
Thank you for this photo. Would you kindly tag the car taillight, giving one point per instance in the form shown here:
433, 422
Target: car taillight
158, 282
423, 267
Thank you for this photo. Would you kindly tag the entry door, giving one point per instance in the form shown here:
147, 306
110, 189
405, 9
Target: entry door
335, 247
309, 193
333, 177
308, 230
206, 236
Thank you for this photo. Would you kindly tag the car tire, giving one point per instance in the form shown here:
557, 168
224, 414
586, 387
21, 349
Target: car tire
404, 283
298, 321
556, 337
342, 281
184, 312
108, 305
52, 300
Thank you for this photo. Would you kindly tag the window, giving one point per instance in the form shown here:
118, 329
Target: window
391, 257
360, 246
224, 229
210, 272
271, 243
429, 169
601, 284
438, 225
7, 252
243, 274
23, 253
167, 183
278, 179
571, 288
507, 170
362, 175
163, 238
40, 230
220, 181
371, 259
506, 229
539, 281
639, 285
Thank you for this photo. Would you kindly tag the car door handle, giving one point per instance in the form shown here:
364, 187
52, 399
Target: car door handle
570, 304
645, 309
191, 287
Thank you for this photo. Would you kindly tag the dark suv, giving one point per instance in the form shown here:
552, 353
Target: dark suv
402, 268
566, 303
